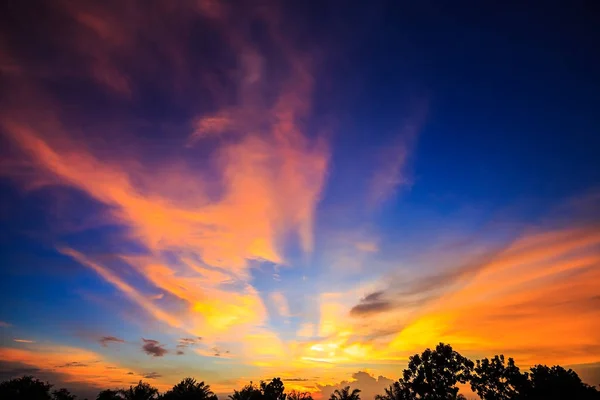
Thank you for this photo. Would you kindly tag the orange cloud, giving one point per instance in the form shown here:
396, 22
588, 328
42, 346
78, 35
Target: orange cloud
536, 301
76, 365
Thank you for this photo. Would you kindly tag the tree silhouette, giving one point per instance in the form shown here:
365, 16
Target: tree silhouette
273, 390
109, 395
248, 392
190, 389
396, 391
142, 391
493, 380
434, 374
554, 383
63, 394
345, 394
25, 388
296, 395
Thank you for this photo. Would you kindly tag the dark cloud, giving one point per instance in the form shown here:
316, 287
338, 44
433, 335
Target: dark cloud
130, 373
72, 364
295, 379
370, 308
152, 375
371, 304
218, 352
180, 353
153, 348
105, 340
190, 340
9, 371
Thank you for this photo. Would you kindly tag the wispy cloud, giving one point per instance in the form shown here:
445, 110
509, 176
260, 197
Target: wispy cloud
367, 247
4, 324
126, 288
23, 341
200, 224
187, 342
391, 171
281, 304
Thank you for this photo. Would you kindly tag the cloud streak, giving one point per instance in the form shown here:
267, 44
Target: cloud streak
105, 340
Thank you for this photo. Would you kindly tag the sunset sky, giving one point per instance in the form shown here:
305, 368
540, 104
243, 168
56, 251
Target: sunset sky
313, 190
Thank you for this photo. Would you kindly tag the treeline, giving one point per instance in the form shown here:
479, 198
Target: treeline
431, 375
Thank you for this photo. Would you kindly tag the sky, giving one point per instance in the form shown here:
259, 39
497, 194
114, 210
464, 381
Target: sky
312, 190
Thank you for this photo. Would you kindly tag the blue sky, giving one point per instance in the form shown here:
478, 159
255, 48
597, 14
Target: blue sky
305, 191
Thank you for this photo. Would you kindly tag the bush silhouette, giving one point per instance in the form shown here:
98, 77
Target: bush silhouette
431, 375
295, 395
345, 394
190, 389
26, 387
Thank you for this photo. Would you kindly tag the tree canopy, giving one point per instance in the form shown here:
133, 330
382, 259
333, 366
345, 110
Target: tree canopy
435, 373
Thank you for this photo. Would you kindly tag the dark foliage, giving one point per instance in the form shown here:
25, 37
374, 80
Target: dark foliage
63, 394
109, 395
493, 380
26, 388
554, 383
273, 390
